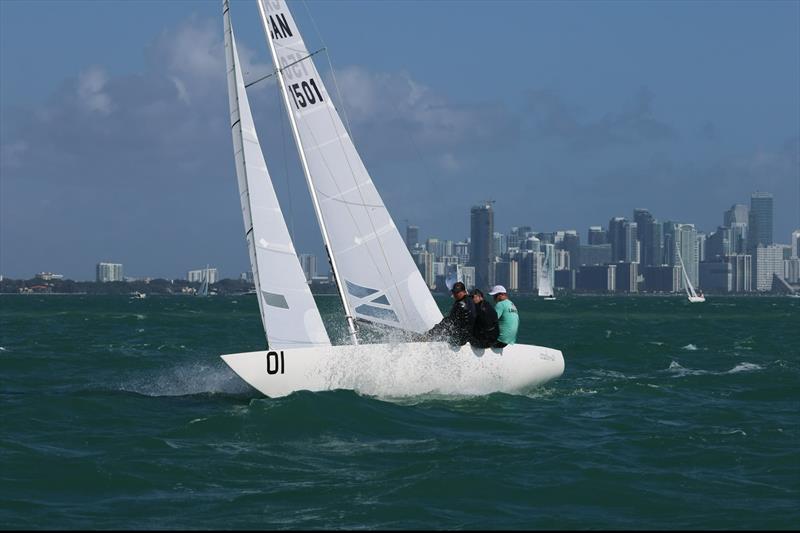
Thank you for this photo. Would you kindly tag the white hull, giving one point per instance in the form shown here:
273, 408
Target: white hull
396, 370
697, 299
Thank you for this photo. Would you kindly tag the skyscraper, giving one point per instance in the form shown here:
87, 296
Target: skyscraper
795, 244
760, 221
651, 238
106, 272
308, 262
412, 236
616, 236
481, 255
737, 214
597, 235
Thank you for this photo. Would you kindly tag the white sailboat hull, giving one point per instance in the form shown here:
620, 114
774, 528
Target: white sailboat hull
397, 370
697, 299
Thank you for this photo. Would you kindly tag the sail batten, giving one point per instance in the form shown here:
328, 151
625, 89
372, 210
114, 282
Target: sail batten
368, 250
288, 311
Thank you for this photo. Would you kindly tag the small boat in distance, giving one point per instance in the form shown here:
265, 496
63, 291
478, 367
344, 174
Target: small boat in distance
136, 295
544, 280
691, 294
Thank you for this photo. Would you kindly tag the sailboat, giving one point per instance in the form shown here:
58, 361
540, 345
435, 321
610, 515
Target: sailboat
544, 284
203, 290
377, 280
691, 294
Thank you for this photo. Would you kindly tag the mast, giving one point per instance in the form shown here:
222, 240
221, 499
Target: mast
351, 326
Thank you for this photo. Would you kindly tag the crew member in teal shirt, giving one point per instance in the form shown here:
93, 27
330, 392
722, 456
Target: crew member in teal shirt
507, 317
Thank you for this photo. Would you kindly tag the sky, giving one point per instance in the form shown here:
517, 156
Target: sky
114, 142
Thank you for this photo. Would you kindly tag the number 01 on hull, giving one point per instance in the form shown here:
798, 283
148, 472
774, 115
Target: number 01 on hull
397, 370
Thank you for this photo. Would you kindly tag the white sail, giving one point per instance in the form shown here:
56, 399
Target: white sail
377, 274
204, 284
288, 311
544, 284
690, 292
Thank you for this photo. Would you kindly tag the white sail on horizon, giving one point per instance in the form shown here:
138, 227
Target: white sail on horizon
288, 310
377, 275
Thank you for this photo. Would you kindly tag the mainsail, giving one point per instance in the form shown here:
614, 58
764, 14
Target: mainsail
373, 266
543, 283
288, 310
690, 292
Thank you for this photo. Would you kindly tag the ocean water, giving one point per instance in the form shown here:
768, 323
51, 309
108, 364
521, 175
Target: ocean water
118, 413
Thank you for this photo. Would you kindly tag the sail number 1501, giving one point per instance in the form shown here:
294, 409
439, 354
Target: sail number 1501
305, 93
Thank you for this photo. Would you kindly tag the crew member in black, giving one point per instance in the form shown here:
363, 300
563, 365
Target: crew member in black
457, 327
486, 330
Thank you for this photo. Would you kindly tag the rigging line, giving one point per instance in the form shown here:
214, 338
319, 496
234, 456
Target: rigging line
333, 72
275, 71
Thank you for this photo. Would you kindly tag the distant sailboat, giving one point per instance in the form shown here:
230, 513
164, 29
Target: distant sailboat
690, 292
377, 280
203, 290
544, 284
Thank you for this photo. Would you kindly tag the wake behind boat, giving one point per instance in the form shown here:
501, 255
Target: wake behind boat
377, 280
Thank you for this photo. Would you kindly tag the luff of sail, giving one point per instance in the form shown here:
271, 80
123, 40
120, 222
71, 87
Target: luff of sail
690, 292
544, 286
288, 311
379, 278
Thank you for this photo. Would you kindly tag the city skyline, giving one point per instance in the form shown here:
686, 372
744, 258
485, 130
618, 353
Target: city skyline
123, 152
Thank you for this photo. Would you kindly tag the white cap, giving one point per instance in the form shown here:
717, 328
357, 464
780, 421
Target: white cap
497, 289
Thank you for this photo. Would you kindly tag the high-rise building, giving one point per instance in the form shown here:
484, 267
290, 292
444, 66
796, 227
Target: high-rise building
500, 243
425, 264
795, 244
760, 221
791, 270
737, 214
308, 262
481, 254
662, 278
769, 261
700, 246
593, 254
461, 250
596, 278
651, 238
507, 274
626, 277
106, 272
412, 236
719, 244
572, 244
683, 237
597, 235
196, 276
468, 277
616, 237
741, 272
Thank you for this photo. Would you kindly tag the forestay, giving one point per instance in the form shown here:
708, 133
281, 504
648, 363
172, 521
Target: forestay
288, 311
378, 276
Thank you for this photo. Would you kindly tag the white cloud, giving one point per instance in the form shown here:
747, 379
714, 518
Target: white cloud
90, 88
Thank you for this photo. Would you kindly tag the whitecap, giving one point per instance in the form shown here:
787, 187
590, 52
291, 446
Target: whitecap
2, 349
690, 347
744, 367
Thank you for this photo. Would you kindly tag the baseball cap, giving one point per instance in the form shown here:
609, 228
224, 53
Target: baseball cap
497, 289
457, 287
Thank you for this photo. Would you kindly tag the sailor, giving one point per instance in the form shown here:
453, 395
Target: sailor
457, 327
507, 317
485, 333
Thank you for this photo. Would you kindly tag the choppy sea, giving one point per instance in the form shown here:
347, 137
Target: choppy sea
119, 414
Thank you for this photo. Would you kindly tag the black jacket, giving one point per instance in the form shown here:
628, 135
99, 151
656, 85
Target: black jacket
458, 326
486, 330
